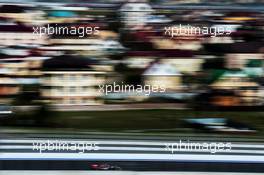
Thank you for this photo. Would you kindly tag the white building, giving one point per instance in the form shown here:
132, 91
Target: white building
163, 74
69, 80
135, 13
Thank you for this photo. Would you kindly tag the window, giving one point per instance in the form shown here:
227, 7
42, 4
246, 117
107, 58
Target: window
72, 89
72, 101
72, 77
84, 88
60, 77
84, 100
84, 77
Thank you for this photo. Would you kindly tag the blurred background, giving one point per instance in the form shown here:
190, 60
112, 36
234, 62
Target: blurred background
213, 84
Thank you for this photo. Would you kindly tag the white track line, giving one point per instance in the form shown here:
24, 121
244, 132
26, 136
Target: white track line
121, 142
134, 157
145, 149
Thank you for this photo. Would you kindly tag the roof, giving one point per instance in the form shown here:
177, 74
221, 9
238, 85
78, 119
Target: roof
162, 53
241, 47
220, 82
239, 74
68, 62
254, 63
16, 28
161, 69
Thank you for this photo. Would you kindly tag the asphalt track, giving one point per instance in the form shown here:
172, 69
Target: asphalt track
114, 173
32, 153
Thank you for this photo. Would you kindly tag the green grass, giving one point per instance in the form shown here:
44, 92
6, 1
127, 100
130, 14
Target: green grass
152, 120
